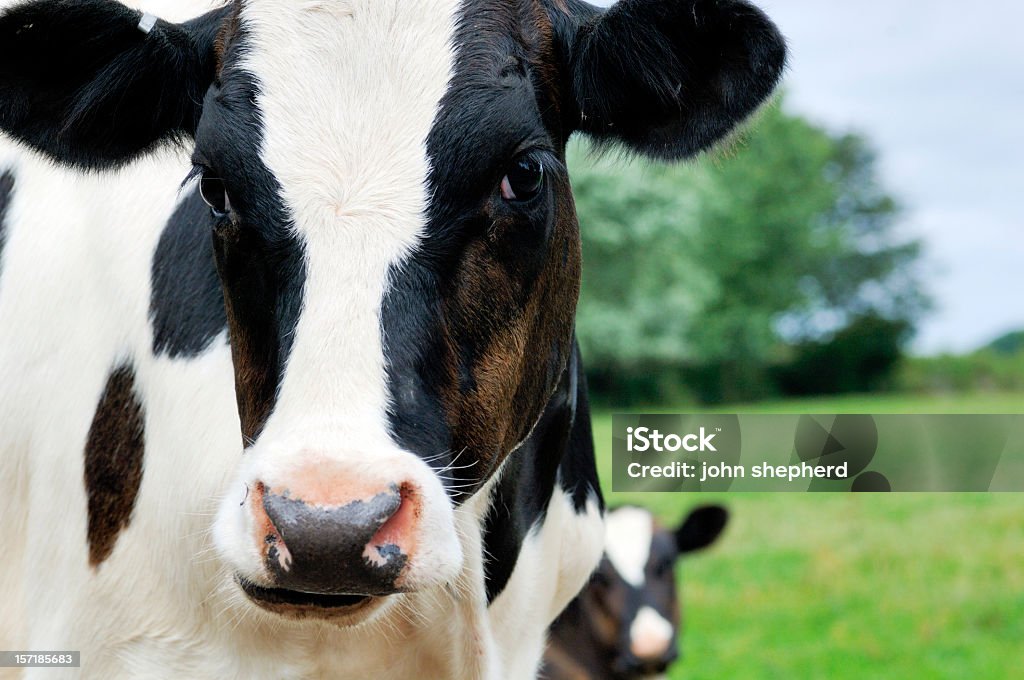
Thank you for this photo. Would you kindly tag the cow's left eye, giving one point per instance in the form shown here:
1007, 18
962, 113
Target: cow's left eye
524, 180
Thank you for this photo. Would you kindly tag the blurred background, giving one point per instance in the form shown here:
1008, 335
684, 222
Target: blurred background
858, 248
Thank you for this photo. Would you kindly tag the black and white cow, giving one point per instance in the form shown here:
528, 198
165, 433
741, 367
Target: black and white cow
318, 410
624, 624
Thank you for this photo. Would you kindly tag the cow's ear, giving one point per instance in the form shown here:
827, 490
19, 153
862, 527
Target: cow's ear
702, 526
666, 78
90, 83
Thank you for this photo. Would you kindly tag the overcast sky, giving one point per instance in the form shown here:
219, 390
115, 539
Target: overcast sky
938, 87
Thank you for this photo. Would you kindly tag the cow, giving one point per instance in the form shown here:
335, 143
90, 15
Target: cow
624, 625
288, 379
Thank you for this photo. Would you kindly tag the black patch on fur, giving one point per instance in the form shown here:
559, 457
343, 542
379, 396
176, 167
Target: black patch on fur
80, 82
413, 346
6, 191
114, 453
259, 260
578, 474
187, 306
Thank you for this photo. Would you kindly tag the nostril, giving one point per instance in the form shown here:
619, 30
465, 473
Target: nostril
273, 546
396, 536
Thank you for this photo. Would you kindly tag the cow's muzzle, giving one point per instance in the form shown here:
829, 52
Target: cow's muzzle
335, 536
335, 549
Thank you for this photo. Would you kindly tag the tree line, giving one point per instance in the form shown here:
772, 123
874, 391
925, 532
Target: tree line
774, 266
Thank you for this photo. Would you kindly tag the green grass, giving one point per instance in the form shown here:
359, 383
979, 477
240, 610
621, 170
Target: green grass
853, 586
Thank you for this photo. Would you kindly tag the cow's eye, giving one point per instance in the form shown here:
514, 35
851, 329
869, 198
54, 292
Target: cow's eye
524, 180
214, 194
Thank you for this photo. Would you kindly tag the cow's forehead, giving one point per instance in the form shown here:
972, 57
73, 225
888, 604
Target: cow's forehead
628, 532
348, 92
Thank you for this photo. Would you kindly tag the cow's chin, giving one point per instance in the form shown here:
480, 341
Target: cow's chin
341, 610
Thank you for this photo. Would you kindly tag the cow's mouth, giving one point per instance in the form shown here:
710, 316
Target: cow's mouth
297, 603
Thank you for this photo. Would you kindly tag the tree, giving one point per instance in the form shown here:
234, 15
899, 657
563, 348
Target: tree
1008, 343
709, 272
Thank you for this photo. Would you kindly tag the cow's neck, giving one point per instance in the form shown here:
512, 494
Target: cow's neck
531, 473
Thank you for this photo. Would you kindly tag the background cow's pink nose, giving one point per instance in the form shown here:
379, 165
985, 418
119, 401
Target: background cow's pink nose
337, 538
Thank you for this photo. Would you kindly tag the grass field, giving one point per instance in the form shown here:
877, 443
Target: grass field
853, 586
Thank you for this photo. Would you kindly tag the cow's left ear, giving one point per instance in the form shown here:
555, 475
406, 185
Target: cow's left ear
94, 84
702, 526
666, 78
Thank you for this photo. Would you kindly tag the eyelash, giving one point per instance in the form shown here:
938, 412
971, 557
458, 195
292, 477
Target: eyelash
195, 173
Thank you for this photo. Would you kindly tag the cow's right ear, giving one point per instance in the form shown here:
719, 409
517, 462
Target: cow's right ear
91, 83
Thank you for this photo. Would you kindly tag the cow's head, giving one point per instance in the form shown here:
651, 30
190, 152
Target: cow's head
393, 228
631, 603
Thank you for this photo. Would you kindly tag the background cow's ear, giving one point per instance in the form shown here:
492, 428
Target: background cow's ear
82, 83
667, 78
702, 526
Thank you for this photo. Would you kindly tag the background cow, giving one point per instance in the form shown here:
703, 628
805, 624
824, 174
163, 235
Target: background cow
316, 411
625, 622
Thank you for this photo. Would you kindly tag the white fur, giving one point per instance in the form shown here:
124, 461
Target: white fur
628, 532
568, 545
346, 131
650, 634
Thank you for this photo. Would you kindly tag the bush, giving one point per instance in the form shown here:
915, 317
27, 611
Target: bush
859, 358
985, 370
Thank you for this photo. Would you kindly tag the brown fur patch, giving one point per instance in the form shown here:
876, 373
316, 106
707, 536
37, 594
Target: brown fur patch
530, 338
113, 463
538, 33
251, 327
255, 382
226, 33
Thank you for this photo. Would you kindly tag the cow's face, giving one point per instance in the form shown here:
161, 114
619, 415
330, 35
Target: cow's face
632, 603
393, 229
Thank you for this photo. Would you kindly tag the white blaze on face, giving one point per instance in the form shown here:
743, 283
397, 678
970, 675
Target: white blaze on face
628, 533
349, 90
650, 634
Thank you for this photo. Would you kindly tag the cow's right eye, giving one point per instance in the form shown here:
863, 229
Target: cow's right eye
214, 194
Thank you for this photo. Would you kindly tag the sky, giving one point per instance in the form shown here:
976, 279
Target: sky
938, 88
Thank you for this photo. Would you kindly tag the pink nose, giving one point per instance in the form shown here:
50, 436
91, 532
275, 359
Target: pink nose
332, 535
